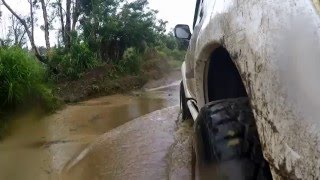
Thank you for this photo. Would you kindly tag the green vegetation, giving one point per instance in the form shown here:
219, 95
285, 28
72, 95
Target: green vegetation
22, 80
103, 47
72, 63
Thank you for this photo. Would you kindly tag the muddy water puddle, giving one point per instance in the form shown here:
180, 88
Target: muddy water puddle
39, 148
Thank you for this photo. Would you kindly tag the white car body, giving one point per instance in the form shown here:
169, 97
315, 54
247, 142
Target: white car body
275, 46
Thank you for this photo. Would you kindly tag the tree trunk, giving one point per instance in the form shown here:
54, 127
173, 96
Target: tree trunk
17, 31
68, 24
14, 30
31, 19
62, 22
29, 33
76, 14
46, 25
16, 37
21, 38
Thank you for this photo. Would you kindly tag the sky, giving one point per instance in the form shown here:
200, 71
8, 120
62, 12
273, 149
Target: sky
173, 11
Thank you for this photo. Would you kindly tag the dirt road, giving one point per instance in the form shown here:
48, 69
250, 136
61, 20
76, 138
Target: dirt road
146, 148
40, 148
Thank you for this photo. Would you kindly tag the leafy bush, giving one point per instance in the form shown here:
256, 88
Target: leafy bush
131, 62
22, 80
81, 57
177, 54
73, 63
174, 54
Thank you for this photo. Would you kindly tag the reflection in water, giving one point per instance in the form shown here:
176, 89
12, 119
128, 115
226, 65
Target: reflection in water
39, 149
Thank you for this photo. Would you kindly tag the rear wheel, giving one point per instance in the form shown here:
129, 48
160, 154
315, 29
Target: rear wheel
183, 104
227, 144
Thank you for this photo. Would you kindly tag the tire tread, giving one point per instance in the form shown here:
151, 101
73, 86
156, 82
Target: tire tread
227, 131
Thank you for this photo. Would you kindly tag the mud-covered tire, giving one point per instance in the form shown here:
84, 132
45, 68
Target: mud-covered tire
227, 139
183, 104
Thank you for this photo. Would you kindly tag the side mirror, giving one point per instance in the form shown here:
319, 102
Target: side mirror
182, 31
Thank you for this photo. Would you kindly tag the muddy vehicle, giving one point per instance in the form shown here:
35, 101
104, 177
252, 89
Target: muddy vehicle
251, 83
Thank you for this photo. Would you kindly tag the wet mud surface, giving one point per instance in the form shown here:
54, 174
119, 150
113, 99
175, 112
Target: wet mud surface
149, 147
43, 148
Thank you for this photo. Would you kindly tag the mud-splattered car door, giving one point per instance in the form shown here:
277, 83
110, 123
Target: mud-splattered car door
190, 57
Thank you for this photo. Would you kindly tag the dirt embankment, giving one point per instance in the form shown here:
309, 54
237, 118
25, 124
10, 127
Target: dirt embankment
105, 80
97, 82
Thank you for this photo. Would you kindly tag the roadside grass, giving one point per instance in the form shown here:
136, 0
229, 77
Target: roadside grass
23, 81
23, 84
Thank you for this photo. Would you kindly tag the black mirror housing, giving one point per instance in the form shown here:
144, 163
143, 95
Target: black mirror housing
182, 31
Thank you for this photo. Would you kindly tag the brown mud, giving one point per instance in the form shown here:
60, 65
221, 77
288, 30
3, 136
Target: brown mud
40, 148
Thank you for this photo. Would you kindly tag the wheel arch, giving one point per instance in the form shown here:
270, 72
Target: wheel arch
204, 67
222, 77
